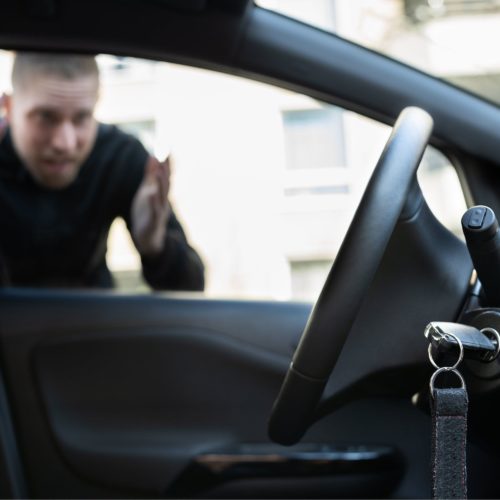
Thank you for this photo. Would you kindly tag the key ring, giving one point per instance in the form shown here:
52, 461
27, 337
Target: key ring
460, 355
445, 369
496, 335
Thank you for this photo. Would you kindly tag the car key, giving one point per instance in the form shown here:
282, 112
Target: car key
482, 345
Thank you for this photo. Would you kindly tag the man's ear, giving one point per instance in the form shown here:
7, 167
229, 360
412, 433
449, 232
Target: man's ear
6, 107
5, 112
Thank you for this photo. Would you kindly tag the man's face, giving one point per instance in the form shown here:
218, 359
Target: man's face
53, 126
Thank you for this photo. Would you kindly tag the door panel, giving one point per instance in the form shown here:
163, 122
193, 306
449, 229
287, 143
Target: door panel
144, 402
123, 391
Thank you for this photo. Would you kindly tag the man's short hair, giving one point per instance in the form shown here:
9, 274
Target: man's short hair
65, 66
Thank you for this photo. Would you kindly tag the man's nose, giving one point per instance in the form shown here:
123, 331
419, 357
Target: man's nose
64, 137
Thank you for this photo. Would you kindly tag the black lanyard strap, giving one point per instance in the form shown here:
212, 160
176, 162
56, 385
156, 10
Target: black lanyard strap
449, 419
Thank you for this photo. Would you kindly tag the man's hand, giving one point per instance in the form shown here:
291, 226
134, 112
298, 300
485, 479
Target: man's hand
151, 208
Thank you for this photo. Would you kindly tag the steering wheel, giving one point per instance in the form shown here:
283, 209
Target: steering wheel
352, 273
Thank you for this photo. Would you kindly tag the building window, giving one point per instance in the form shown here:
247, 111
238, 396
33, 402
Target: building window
314, 138
425, 10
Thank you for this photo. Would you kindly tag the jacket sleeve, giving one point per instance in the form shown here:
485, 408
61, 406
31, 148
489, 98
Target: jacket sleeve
178, 266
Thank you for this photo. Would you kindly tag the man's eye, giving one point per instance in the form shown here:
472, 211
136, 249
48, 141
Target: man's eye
46, 117
81, 119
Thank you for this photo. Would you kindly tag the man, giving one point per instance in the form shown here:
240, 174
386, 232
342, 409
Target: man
64, 178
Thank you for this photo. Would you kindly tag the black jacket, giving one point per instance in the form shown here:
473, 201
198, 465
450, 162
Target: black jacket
58, 237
